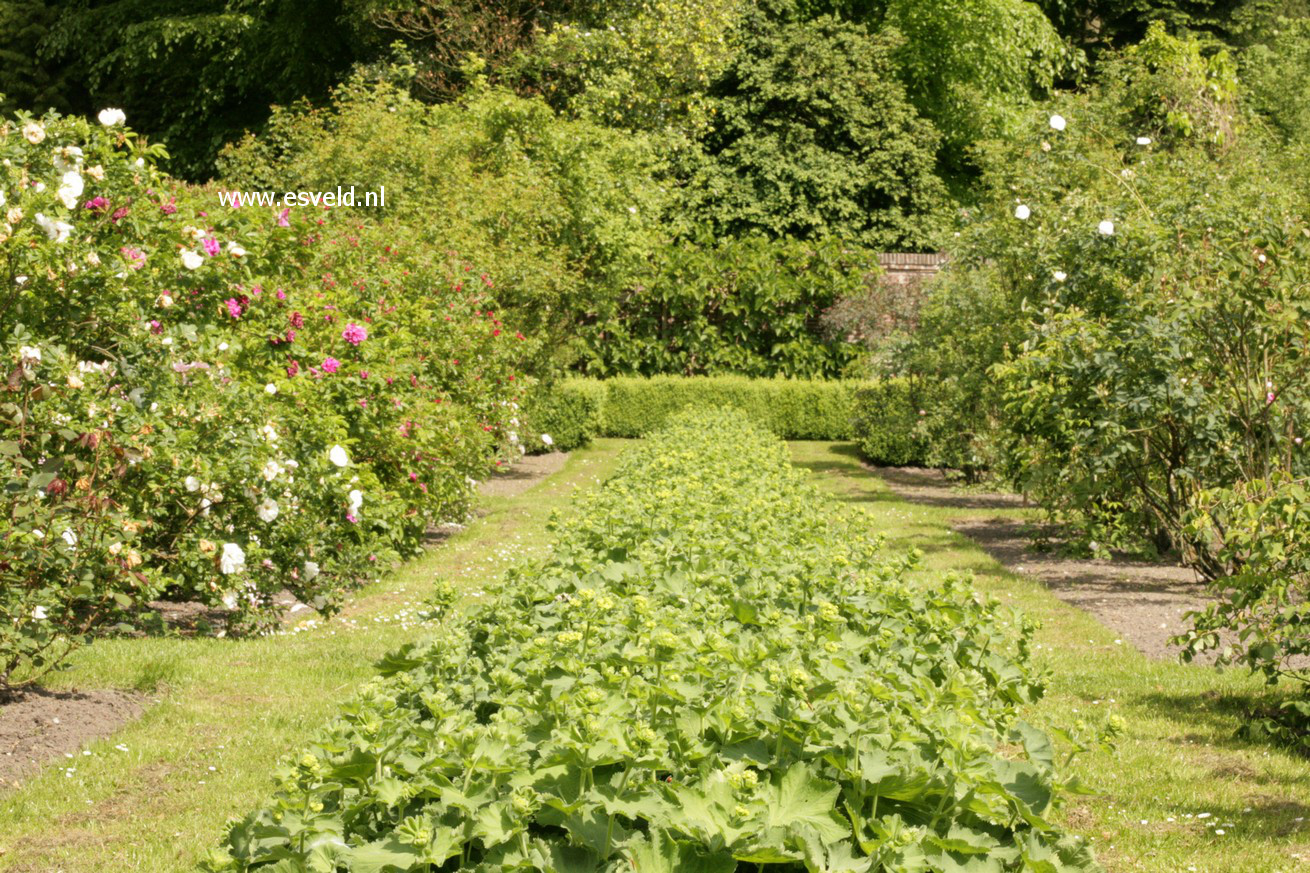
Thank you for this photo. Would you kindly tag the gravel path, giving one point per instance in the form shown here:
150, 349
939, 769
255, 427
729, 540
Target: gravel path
1143, 602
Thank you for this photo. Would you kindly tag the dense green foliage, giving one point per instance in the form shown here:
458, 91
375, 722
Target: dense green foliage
743, 306
216, 404
195, 78
813, 137
885, 422
565, 415
566, 211
714, 669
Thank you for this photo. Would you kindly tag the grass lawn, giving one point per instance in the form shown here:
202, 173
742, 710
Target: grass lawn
1178, 758
228, 710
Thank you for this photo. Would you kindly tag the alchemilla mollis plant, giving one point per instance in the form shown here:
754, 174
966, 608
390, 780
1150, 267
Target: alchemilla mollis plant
715, 669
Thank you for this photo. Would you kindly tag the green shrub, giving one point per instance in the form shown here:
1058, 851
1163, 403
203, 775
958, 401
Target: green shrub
1261, 530
715, 669
886, 424
563, 416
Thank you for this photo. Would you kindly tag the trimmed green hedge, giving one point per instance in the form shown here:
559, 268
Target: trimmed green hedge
632, 406
796, 409
882, 417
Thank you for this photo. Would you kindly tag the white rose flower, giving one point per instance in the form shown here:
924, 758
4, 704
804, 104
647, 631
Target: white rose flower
311, 570
40, 614
33, 132
67, 158
191, 483
545, 438
1106, 228
268, 432
69, 537
2, 197
270, 388
268, 510
1143, 140
338, 456
233, 559
1058, 122
191, 260
272, 469
55, 230
356, 500
71, 187
1060, 275
93, 259
29, 353
110, 117
1022, 212
235, 250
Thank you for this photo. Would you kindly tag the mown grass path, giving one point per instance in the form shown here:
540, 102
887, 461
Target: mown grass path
228, 710
1178, 758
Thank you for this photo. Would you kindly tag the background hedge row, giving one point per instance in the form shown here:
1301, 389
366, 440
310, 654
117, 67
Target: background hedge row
882, 415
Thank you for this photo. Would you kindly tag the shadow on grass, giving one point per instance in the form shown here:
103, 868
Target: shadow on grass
1218, 718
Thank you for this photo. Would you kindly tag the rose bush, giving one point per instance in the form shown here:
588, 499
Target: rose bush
217, 404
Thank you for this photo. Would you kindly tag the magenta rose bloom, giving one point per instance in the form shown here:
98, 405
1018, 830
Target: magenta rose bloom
354, 334
331, 365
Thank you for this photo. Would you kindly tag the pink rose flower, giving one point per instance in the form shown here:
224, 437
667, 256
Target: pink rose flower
354, 334
331, 365
95, 204
233, 307
282, 219
211, 246
135, 257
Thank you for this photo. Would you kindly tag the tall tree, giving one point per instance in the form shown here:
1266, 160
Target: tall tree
196, 75
814, 137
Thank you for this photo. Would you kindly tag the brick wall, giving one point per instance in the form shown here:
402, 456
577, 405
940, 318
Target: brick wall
904, 268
